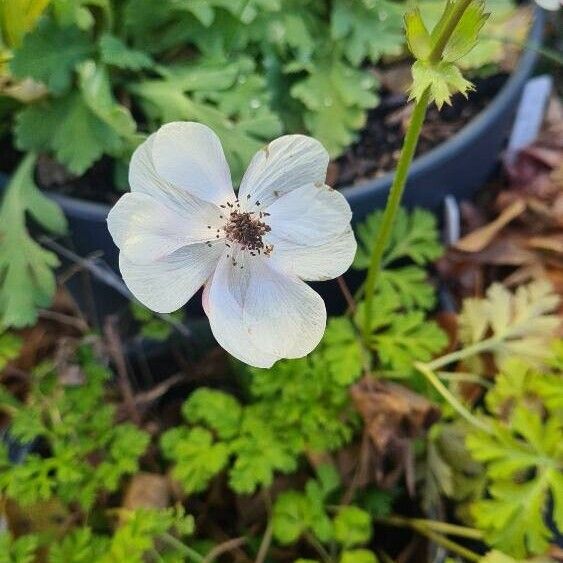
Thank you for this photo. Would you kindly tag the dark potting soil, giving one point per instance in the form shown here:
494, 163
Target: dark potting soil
375, 153
377, 150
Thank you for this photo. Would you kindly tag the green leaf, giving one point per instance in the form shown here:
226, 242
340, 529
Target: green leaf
352, 526
523, 459
259, 452
418, 38
50, 53
215, 409
411, 286
358, 556
18, 550
414, 236
342, 350
443, 79
336, 97
466, 33
90, 114
367, 29
304, 398
296, 513
229, 98
402, 339
116, 53
28, 282
10, 347
83, 455
198, 459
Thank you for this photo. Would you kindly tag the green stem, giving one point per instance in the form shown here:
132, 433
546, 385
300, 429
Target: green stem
450, 398
393, 203
428, 528
449, 544
461, 377
436, 525
448, 28
467, 352
318, 547
190, 553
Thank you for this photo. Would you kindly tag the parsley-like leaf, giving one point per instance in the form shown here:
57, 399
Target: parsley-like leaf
28, 282
50, 53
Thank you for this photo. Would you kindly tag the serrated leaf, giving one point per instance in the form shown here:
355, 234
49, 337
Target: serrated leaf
352, 526
233, 101
411, 286
522, 323
10, 347
414, 236
259, 453
336, 97
116, 53
215, 409
198, 458
466, 33
367, 29
50, 53
89, 114
523, 459
407, 338
443, 79
295, 513
342, 350
18, 550
26, 268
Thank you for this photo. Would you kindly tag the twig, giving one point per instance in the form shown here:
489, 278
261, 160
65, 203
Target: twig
350, 301
76, 322
224, 547
265, 544
104, 275
116, 352
159, 390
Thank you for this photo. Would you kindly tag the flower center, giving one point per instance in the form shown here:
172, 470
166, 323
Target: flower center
248, 229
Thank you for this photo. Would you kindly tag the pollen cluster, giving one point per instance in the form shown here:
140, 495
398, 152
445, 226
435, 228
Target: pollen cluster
245, 228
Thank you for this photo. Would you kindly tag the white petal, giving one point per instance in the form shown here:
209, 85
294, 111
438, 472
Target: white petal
282, 314
146, 230
144, 179
320, 262
166, 284
283, 166
189, 155
260, 315
223, 301
309, 215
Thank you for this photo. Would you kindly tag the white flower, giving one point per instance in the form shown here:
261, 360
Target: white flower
182, 227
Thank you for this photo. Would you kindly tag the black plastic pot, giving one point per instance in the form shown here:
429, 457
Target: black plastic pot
462, 164
457, 167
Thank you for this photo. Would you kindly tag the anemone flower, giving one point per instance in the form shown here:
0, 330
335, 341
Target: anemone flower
183, 227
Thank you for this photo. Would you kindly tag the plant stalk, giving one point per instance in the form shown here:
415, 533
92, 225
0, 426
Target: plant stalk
407, 154
392, 207
451, 398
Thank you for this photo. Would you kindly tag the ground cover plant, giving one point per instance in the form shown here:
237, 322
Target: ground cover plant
408, 433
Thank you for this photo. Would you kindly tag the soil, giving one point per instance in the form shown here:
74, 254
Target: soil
379, 144
374, 154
